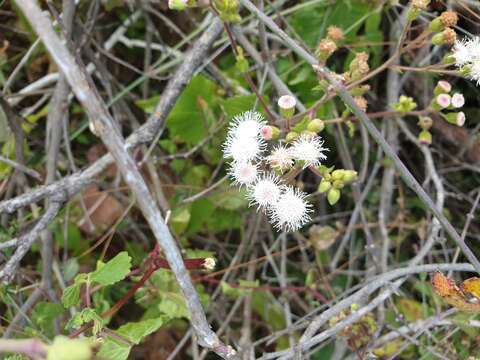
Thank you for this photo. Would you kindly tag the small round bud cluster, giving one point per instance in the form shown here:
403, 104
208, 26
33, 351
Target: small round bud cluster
333, 181
335, 33
180, 4
405, 104
286, 206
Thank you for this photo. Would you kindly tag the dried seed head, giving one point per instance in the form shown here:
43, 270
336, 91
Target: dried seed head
361, 102
335, 33
449, 18
420, 4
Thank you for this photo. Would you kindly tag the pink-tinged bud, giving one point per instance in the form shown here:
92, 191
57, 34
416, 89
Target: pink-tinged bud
443, 100
266, 132
444, 86
425, 137
287, 103
458, 100
461, 118
455, 118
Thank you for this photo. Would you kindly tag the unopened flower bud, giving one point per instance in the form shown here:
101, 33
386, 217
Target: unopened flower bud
338, 174
177, 4
324, 186
456, 118
291, 136
442, 87
316, 125
458, 100
425, 137
338, 184
443, 101
266, 132
333, 196
287, 103
425, 122
349, 176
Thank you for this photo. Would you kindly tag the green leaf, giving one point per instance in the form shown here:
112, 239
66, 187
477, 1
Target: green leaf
179, 219
113, 271
84, 317
201, 210
237, 105
186, 121
134, 332
230, 199
173, 305
71, 295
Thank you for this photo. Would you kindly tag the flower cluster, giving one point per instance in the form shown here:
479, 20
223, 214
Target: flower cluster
259, 166
466, 53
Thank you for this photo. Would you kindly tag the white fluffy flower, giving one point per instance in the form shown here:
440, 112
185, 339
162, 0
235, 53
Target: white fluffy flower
291, 211
265, 191
474, 71
467, 56
247, 124
461, 52
243, 173
243, 148
280, 158
309, 150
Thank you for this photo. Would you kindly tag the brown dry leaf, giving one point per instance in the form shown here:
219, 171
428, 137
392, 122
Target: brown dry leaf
95, 152
103, 208
322, 237
454, 295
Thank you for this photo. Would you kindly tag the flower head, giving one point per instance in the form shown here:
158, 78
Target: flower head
309, 150
280, 158
265, 191
247, 124
243, 173
291, 211
466, 53
243, 148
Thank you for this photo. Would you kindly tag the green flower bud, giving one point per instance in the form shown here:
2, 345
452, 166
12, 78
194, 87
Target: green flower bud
324, 186
349, 176
286, 104
338, 174
448, 59
338, 184
413, 13
425, 137
309, 133
333, 196
292, 135
436, 25
316, 125
425, 122
275, 132
454, 118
